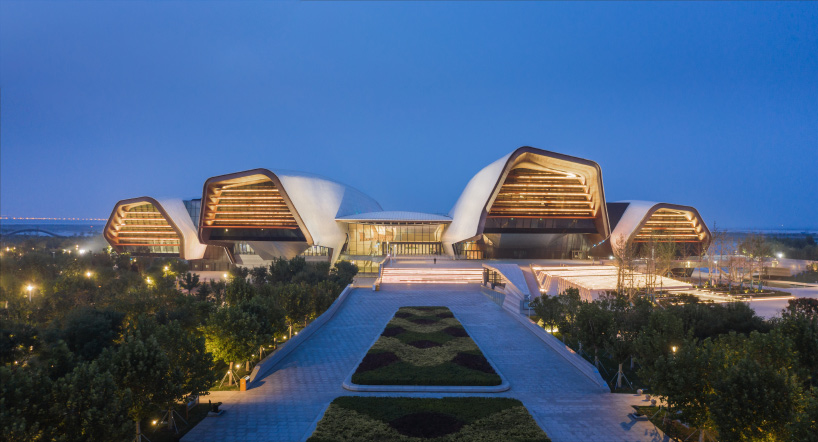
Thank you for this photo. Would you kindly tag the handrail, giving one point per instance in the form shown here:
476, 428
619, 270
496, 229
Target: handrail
381, 265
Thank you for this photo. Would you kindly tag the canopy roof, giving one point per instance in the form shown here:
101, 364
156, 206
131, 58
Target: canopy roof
395, 216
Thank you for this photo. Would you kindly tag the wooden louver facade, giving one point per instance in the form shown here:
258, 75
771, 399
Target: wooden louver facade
528, 193
668, 225
142, 228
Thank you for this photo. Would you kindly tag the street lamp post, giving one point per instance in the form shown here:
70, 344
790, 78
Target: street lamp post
29, 288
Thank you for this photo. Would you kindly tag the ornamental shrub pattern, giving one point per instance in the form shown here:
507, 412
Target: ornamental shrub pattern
425, 346
456, 419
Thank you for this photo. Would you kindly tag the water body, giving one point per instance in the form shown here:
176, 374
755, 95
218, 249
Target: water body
67, 228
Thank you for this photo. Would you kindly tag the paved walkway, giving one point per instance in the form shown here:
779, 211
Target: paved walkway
567, 405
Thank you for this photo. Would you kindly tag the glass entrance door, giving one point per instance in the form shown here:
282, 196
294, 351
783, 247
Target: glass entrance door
415, 248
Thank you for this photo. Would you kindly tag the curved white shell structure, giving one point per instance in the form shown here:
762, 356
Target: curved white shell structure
642, 220
304, 202
471, 209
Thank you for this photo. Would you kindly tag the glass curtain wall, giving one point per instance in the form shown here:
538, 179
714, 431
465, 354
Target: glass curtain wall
194, 208
400, 238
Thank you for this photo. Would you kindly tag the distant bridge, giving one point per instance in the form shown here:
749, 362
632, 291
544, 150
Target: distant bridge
27, 231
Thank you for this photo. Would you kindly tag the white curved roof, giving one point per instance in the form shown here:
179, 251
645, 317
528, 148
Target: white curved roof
638, 212
316, 200
397, 216
468, 213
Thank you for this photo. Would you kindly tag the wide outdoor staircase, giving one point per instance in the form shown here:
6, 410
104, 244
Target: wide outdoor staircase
431, 275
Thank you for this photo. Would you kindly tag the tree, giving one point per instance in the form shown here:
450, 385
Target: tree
625, 253
754, 387
88, 331
87, 405
142, 367
217, 289
16, 341
654, 340
680, 375
799, 323
231, 335
204, 292
802, 428
627, 321
190, 363
24, 404
239, 272
594, 323
549, 309
321, 296
743, 387
343, 273
293, 299
571, 302
190, 281
758, 249
239, 290
259, 275
665, 257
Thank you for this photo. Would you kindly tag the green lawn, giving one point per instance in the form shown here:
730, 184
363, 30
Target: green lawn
425, 346
386, 419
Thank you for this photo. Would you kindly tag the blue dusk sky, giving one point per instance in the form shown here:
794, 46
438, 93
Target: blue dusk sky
713, 105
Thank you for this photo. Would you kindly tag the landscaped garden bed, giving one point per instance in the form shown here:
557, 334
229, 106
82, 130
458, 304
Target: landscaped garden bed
425, 346
351, 418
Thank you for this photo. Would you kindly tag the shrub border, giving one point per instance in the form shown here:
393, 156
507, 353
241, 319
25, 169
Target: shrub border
503, 386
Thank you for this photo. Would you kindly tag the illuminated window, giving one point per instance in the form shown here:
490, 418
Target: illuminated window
141, 228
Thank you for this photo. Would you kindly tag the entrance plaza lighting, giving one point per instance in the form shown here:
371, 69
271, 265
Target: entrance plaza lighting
595, 281
530, 204
29, 288
87, 274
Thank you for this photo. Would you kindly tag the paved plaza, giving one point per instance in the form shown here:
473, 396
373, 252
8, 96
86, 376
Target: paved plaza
288, 401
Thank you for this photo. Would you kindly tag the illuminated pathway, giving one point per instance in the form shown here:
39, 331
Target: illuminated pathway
566, 404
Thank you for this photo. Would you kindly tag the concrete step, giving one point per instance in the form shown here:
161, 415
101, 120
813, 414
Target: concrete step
431, 275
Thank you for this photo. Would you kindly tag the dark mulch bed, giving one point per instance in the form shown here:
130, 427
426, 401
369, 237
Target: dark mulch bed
373, 361
393, 331
474, 362
426, 424
386, 368
457, 332
424, 343
427, 419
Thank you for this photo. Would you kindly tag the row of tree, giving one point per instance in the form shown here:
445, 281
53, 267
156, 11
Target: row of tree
721, 367
108, 340
97, 387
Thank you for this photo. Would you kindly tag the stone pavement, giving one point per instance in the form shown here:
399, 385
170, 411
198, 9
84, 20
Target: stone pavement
288, 402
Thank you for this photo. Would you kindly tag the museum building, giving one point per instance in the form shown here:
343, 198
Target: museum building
529, 204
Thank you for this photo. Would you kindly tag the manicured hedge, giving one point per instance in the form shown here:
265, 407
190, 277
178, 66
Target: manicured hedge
386, 419
425, 346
